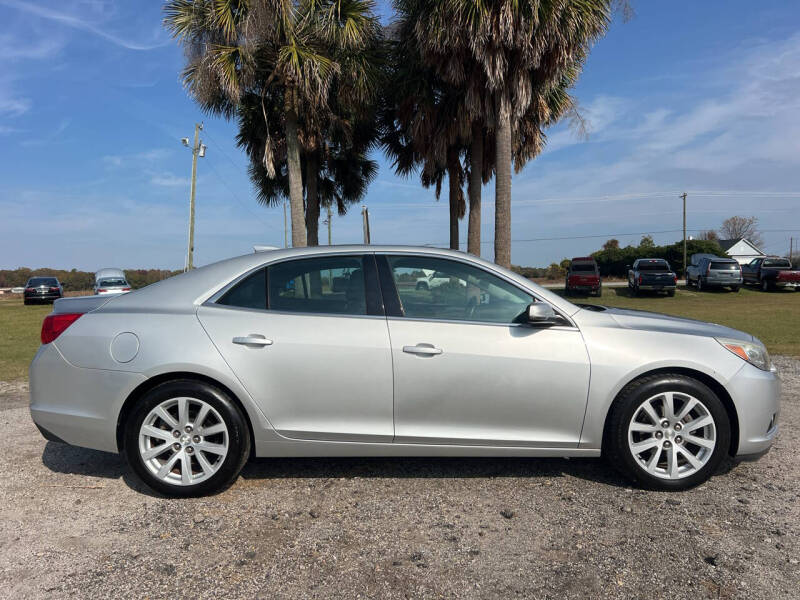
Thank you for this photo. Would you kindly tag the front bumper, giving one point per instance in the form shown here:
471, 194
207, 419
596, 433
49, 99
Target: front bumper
75, 405
756, 396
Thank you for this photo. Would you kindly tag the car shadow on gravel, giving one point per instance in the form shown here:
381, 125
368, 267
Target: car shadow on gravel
440, 468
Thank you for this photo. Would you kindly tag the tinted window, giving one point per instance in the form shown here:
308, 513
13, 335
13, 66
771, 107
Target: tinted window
333, 285
251, 292
582, 267
657, 266
725, 266
435, 288
36, 281
777, 262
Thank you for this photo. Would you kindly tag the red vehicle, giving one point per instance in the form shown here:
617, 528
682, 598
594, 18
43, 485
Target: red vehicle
583, 276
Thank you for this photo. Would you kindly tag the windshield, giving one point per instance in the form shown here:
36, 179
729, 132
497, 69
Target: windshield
111, 282
777, 262
654, 266
37, 281
585, 267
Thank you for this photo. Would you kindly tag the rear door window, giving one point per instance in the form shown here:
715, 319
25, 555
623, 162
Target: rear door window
251, 292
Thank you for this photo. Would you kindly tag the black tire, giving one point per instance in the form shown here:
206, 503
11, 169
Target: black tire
27, 302
238, 436
670, 293
599, 292
765, 286
421, 285
735, 288
615, 439
699, 284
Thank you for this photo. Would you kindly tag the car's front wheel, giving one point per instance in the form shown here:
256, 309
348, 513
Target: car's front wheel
186, 438
667, 431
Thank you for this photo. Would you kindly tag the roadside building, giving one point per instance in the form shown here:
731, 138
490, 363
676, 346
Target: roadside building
742, 250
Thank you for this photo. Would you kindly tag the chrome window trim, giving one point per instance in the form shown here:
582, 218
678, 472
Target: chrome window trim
269, 311
484, 323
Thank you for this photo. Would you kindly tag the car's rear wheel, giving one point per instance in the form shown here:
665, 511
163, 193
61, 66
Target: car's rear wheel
765, 286
667, 431
699, 284
735, 288
186, 438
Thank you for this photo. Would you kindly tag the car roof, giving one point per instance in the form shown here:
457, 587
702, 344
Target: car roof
187, 290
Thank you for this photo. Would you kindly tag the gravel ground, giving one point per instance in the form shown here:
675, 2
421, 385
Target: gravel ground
76, 522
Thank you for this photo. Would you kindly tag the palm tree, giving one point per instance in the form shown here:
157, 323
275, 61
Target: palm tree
281, 49
508, 55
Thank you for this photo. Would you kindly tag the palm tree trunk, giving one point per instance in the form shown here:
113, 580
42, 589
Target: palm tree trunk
475, 183
502, 190
454, 185
295, 178
312, 199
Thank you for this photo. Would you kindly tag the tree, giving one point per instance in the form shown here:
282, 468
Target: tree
709, 235
289, 51
611, 244
521, 51
736, 228
647, 242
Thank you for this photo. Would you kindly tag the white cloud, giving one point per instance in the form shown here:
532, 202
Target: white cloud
169, 180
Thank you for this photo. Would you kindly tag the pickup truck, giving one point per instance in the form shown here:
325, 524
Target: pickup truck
652, 274
771, 273
583, 276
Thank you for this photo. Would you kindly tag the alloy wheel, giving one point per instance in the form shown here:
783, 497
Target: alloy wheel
672, 435
183, 441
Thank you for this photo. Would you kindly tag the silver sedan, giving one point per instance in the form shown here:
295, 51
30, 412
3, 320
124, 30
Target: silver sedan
337, 351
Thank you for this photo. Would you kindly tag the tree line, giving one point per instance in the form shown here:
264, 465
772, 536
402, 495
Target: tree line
452, 90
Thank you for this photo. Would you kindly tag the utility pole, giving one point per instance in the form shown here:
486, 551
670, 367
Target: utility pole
683, 195
285, 227
365, 219
791, 249
198, 150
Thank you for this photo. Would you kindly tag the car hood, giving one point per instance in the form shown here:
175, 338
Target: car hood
650, 321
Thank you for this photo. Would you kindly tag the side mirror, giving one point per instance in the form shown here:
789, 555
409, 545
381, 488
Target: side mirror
541, 313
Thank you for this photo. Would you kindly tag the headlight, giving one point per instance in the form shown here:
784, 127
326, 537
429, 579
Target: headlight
753, 352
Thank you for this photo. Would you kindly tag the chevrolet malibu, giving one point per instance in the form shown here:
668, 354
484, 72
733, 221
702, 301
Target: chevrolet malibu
337, 351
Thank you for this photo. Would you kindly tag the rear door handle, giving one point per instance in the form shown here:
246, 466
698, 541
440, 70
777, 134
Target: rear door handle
422, 349
254, 339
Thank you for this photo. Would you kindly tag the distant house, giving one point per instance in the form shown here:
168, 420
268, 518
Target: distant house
742, 250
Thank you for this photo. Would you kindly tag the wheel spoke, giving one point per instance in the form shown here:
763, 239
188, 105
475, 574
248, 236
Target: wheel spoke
698, 423
201, 416
166, 417
693, 460
648, 408
219, 449
639, 447
643, 427
186, 469
204, 464
687, 408
156, 432
183, 411
698, 441
672, 462
669, 406
168, 466
211, 430
653, 462
157, 450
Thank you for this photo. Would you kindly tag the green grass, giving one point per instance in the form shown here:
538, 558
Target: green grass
773, 317
20, 327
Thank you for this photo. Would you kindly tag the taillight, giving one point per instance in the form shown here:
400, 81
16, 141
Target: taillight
56, 324
640, 280
53, 289
101, 290
126, 289
30, 289
676, 280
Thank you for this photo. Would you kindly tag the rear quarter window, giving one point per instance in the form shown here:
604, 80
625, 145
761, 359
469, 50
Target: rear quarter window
724, 266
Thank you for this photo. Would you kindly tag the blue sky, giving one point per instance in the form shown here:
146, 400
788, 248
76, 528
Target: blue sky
695, 96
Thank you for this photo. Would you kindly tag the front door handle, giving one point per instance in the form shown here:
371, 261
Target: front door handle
254, 339
423, 349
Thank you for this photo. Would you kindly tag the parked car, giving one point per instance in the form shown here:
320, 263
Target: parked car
771, 273
432, 280
652, 274
583, 276
190, 376
42, 289
708, 270
110, 281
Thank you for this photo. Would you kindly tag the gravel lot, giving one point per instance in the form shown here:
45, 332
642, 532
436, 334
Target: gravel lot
75, 522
